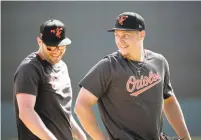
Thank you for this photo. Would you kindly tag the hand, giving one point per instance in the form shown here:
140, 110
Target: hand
50, 137
81, 137
107, 138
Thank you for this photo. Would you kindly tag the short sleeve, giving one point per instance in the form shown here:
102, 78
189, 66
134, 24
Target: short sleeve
167, 89
26, 80
98, 78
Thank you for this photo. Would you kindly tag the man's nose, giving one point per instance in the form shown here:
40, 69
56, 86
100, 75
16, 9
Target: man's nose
57, 50
121, 39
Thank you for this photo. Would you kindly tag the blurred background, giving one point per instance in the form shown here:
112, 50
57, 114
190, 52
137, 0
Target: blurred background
172, 28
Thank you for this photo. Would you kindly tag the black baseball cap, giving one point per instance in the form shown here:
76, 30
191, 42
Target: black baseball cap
52, 33
129, 21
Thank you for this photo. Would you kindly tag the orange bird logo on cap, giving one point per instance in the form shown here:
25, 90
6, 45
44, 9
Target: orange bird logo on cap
57, 31
121, 19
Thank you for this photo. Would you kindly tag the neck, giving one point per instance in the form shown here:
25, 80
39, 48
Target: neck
137, 55
40, 54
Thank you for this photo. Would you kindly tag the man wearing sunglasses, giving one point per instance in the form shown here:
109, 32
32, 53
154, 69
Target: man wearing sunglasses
42, 90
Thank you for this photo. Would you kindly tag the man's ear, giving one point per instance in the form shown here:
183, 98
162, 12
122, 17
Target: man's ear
39, 41
142, 34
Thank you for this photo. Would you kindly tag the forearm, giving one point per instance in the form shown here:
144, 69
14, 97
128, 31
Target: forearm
88, 121
34, 123
175, 117
76, 130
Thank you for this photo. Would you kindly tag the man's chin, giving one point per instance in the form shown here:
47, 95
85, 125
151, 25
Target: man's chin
123, 53
55, 61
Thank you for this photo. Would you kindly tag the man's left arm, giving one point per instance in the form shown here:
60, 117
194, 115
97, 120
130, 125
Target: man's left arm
175, 117
77, 132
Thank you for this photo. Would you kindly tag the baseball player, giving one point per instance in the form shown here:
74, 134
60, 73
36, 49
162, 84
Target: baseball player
43, 92
132, 89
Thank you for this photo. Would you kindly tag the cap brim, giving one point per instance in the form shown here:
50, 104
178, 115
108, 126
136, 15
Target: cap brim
111, 30
64, 42
123, 29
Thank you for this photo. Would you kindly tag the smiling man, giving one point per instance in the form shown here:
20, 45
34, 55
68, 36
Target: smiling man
132, 88
42, 90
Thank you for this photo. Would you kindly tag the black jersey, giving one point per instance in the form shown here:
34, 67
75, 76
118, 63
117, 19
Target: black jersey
130, 94
51, 85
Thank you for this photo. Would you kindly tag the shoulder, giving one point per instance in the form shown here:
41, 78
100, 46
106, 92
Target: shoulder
155, 55
105, 63
150, 53
113, 58
62, 64
29, 64
108, 60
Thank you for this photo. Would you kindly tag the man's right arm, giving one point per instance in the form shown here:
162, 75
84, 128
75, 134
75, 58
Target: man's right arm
85, 114
30, 118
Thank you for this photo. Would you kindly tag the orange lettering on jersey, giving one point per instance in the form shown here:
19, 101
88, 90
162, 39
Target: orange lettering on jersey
142, 84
